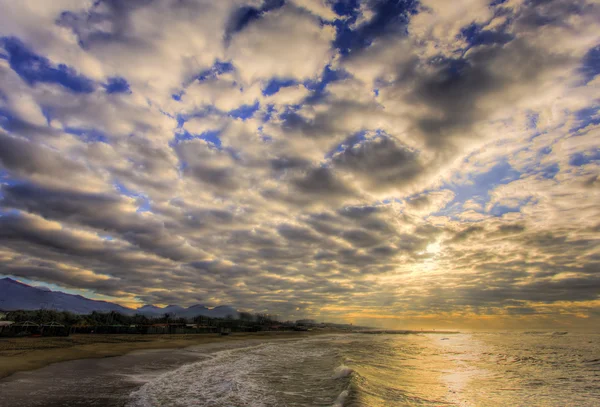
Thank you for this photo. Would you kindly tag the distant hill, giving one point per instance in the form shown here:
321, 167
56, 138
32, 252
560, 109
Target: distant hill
15, 295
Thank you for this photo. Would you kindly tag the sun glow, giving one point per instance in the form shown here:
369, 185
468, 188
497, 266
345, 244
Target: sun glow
433, 248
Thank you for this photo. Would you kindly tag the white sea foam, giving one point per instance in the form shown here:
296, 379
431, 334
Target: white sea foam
342, 371
221, 380
249, 376
339, 402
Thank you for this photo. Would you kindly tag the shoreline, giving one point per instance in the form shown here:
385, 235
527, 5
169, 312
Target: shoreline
26, 354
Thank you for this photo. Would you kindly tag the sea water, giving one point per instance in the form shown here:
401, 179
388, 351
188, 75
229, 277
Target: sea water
467, 369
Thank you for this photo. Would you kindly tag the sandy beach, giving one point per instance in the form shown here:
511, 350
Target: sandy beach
23, 354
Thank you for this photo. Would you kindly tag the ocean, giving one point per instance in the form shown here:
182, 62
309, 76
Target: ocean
475, 369
347, 370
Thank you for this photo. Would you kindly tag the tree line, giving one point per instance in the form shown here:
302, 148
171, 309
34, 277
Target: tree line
44, 316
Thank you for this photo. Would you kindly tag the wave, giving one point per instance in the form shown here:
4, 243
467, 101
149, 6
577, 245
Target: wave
342, 371
341, 399
546, 333
268, 375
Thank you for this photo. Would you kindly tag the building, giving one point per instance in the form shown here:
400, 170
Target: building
5, 326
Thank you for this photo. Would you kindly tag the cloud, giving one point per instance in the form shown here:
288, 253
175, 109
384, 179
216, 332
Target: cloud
306, 158
380, 163
283, 43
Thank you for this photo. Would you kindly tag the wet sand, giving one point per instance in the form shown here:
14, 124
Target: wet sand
23, 354
100, 380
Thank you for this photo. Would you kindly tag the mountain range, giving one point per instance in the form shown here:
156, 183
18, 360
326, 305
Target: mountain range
15, 295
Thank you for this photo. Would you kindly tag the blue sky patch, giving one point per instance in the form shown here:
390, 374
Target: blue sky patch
318, 87
349, 142
141, 199
8, 180
210, 136
276, 84
245, 111
88, 135
47, 112
586, 117
219, 68
532, 120
33, 68
475, 35
499, 210
347, 8
550, 171
591, 64
269, 111
389, 17
117, 85
6, 119
479, 187
579, 159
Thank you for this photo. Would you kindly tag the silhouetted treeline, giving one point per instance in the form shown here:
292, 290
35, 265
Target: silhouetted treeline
41, 317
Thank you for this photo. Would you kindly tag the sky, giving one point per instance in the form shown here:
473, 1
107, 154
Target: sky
394, 163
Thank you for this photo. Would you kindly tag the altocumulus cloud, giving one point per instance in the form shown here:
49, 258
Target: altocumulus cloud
406, 161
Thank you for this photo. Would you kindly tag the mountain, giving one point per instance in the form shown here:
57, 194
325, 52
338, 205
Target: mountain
149, 309
15, 295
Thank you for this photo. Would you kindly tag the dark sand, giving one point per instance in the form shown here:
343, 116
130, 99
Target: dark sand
102, 370
21, 354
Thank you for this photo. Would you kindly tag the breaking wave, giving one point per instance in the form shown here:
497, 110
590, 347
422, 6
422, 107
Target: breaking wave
268, 375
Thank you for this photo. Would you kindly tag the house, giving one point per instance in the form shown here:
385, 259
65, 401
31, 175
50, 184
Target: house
26, 328
5, 326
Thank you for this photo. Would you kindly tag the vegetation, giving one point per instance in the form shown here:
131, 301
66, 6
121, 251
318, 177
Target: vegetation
42, 317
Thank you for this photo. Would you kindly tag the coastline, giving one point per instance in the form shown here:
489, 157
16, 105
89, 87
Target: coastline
25, 354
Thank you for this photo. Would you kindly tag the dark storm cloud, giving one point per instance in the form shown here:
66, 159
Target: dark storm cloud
298, 234
28, 158
24, 231
285, 163
419, 202
466, 234
321, 182
321, 126
543, 269
539, 13
245, 15
511, 229
97, 210
90, 25
358, 212
207, 164
102, 211
428, 230
380, 163
453, 88
456, 86
49, 273
568, 289
360, 238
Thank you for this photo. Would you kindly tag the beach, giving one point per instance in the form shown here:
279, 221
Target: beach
23, 354
540, 369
